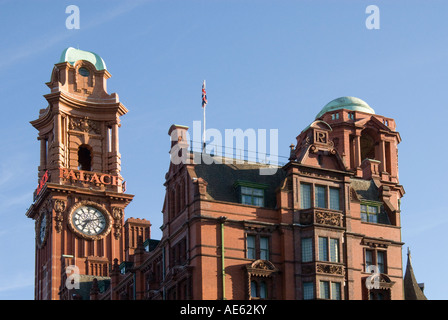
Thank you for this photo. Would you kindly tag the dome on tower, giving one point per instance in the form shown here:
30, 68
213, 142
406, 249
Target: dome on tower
71, 55
349, 103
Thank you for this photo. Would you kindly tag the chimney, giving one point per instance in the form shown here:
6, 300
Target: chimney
178, 135
179, 143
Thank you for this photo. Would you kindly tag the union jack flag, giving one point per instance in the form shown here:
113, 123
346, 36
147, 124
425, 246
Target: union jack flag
204, 95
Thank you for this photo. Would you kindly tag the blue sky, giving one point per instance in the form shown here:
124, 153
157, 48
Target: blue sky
268, 65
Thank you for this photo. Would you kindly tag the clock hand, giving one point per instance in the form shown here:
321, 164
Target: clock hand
87, 221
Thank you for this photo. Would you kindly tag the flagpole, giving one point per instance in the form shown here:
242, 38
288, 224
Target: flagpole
204, 105
203, 135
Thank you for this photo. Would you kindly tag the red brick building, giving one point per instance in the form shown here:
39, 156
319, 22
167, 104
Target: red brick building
312, 230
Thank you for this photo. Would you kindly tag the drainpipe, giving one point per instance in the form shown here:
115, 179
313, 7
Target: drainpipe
223, 270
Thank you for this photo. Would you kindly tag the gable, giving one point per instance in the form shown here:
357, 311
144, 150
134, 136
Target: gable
323, 159
315, 148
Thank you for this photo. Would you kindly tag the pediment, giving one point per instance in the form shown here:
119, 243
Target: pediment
372, 122
320, 124
261, 268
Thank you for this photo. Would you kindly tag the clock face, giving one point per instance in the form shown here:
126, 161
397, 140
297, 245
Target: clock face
42, 228
89, 220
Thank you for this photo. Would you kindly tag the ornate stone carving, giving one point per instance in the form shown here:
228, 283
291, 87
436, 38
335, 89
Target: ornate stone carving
84, 125
329, 269
264, 265
311, 216
328, 218
261, 268
117, 215
59, 207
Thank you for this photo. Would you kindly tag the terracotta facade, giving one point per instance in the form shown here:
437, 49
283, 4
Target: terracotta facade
311, 230
80, 164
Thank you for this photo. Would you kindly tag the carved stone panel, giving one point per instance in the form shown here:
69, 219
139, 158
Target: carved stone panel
84, 125
59, 207
330, 269
328, 218
318, 216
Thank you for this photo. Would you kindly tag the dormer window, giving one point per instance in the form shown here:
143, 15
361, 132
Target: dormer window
252, 196
369, 212
251, 193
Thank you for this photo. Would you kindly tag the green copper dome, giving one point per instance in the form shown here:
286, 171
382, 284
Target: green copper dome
350, 103
71, 55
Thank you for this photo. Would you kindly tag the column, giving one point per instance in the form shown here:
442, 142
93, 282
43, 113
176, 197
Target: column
114, 164
382, 156
43, 153
383, 168
357, 142
115, 138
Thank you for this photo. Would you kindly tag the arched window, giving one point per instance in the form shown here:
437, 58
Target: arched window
84, 158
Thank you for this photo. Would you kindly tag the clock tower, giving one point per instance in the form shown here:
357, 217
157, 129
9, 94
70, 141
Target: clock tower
79, 202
